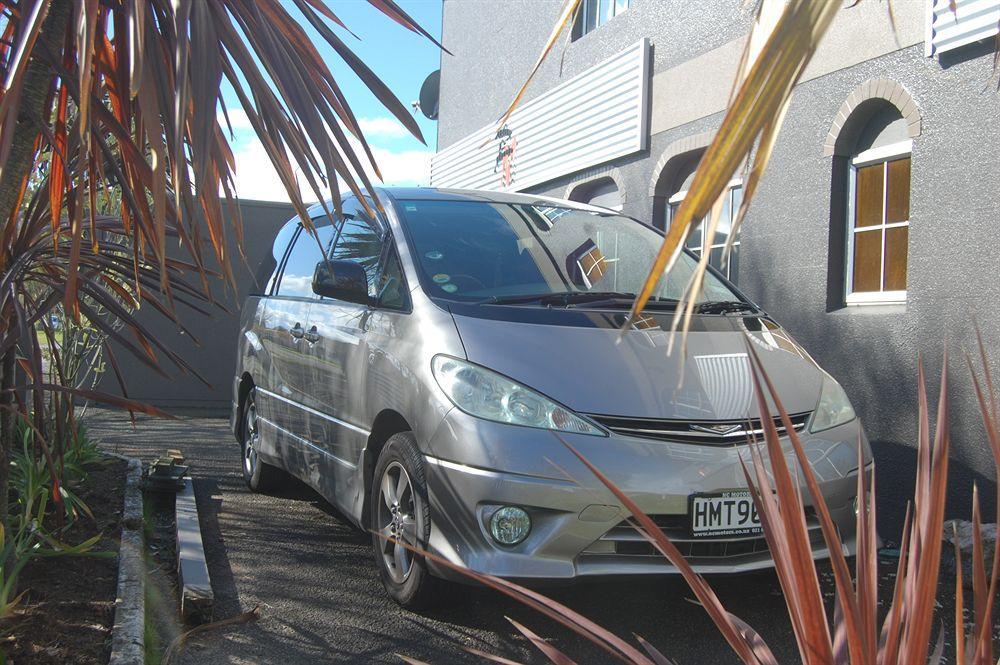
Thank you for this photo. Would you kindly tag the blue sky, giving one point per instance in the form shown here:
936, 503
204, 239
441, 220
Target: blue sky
402, 59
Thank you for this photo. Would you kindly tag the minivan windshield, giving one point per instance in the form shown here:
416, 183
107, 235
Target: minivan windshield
483, 251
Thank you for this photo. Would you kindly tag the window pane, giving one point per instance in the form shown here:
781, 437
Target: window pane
296, 280
731, 267
896, 241
620, 6
671, 213
734, 265
867, 261
605, 11
897, 206
715, 259
391, 289
267, 270
868, 195
725, 221
473, 250
694, 240
360, 243
589, 15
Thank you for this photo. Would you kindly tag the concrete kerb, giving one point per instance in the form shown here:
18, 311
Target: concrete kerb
197, 597
128, 646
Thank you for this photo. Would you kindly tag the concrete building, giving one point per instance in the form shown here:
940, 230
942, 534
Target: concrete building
214, 356
873, 236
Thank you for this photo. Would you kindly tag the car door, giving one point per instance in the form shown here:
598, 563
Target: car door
341, 354
286, 334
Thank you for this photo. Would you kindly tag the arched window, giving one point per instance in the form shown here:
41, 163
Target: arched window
603, 192
674, 182
870, 141
878, 209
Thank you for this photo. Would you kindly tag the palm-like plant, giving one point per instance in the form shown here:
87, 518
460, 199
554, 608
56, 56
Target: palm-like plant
124, 95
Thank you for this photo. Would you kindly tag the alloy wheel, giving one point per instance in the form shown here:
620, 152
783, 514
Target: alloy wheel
397, 522
250, 445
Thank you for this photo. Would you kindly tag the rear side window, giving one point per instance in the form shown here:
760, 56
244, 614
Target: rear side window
267, 273
296, 278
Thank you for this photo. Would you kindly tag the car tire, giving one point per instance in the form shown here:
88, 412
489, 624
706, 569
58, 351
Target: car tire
258, 474
399, 480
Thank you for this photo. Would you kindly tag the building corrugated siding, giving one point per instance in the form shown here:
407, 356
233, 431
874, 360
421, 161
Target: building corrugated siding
598, 115
971, 21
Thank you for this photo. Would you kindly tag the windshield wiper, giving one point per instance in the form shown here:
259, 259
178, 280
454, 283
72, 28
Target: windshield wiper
725, 306
587, 297
574, 298
558, 298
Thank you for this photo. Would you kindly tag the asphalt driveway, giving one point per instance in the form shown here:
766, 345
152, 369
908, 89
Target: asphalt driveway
313, 577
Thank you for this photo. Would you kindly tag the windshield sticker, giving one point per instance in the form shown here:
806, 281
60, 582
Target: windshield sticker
449, 288
434, 255
441, 278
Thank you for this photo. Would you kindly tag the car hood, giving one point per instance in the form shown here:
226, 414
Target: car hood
584, 361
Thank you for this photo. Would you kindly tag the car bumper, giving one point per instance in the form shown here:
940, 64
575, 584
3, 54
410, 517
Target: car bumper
579, 529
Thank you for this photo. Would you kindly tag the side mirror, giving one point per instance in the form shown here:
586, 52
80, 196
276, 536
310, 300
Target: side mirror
343, 280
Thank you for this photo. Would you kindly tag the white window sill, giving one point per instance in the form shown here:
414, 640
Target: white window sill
874, 303
876, 298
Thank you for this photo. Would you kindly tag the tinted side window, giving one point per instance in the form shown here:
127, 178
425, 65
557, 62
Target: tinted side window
391, 286
296, 279
266, 275
360, 243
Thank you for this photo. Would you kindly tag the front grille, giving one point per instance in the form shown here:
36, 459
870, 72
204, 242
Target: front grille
710, 432
627, 540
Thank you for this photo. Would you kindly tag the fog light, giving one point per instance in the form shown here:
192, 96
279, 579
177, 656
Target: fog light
510, 525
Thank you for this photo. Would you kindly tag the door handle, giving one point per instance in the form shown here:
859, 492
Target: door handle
297, 331
312, 335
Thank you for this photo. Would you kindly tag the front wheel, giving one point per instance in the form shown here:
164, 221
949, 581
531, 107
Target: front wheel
400, 513
258, 475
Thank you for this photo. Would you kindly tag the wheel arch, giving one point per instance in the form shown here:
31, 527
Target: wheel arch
387, 423
246, 384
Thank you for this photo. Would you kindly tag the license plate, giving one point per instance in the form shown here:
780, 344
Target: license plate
723, 514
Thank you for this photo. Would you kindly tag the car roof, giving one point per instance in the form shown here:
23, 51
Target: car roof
488, 196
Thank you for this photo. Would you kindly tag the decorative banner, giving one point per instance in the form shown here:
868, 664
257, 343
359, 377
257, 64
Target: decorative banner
596, 116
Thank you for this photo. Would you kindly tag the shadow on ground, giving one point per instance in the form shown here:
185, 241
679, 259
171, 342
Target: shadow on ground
313, 576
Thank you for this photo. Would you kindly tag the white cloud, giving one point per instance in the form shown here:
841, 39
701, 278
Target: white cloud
256, 178
404, 167
388, 128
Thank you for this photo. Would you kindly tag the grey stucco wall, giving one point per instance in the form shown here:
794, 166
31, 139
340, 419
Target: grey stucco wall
953, 276
215, 357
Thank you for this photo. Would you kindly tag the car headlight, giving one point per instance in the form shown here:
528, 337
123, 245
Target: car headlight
833, 407
486, 394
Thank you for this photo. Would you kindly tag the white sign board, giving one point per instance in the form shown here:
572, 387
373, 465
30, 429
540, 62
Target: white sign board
599, 115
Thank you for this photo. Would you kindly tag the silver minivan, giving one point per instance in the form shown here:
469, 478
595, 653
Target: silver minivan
424, 368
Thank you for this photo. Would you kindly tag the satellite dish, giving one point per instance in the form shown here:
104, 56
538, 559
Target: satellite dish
429, 94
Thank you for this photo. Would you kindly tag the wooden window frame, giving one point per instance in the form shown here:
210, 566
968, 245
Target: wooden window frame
880, 155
